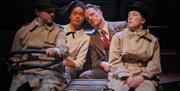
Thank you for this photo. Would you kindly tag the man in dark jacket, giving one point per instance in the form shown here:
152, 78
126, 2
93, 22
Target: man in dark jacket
99, 43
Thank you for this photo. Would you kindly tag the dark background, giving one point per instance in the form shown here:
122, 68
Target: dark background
165, 24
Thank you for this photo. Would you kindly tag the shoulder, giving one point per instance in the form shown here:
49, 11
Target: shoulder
86, 36
122, 33
29, 26
89, 31
64, 26
59, 27
152, 37
25, 24
81, 34
25, 28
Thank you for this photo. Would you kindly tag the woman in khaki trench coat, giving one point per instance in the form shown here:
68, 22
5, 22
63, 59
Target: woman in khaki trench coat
134, 54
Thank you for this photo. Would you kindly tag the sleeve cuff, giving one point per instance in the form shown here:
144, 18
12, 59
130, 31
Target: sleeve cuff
146, 78
123, 75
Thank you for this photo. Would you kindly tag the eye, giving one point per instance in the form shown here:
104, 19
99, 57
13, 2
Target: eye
81, 14
135, 14
74, 13
92, 14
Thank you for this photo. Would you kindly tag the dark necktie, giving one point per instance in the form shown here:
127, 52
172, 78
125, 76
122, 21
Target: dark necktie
105, 39
68, 33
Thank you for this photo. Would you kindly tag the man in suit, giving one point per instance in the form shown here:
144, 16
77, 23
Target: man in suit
98, 52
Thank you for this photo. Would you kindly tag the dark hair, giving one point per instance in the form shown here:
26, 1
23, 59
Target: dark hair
143, 9
68, 9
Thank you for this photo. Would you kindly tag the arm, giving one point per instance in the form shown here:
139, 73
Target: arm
153, 67
60, 48
17, 43
96, 56
81, 51
117, 67
60, 45
81, 56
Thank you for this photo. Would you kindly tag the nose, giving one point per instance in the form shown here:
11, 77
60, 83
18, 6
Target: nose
89, 18
129, 17
77, 16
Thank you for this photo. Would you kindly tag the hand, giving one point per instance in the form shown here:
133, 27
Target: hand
105, 66
69, 63
51, 52
13, 62
130, 81
15, 66
134, 82
138, 80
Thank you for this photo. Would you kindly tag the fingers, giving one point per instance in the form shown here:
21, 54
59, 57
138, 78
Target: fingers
134, 82
139, 80
50, 52
69, 63
15, 66
105, 66
130, 81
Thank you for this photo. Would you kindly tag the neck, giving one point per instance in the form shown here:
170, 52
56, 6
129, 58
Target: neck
74, 28
137, 29
101, 25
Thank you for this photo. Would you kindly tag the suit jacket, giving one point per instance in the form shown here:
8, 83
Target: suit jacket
96, 52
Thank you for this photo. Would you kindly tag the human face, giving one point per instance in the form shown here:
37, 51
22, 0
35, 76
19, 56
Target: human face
94, 17
47, 16
77, 17
135, 20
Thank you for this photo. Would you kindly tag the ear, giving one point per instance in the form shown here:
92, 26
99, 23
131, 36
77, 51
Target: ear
100, 12
143, 21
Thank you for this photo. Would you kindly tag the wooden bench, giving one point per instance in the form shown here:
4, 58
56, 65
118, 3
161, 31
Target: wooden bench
87, 85
100, 84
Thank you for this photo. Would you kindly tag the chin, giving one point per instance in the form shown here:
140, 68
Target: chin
130, 26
